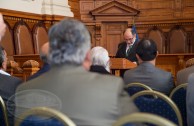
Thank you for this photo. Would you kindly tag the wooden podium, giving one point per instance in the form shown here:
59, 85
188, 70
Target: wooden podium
119, 64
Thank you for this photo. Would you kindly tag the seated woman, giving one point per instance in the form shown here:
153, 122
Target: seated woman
100, 60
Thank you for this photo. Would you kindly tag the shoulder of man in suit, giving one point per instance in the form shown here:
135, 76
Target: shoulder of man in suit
121, 44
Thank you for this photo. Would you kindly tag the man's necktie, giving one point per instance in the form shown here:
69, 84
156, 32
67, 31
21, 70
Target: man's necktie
128, 50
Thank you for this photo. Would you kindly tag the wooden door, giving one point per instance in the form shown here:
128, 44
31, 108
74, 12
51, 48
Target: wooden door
112, 34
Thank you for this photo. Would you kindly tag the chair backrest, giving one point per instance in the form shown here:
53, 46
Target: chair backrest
178, 95
143, 118
43, 116
133, 88
160, 105
3, 114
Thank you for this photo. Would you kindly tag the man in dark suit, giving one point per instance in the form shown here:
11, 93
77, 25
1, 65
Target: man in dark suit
8, 85
44, 57
88, 98
146, 72
126, 49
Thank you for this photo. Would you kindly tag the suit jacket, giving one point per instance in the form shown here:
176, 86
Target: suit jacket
151, 76
45, 68
87, 98
98, 69
190, 100
121, 52
182, 75
8, 85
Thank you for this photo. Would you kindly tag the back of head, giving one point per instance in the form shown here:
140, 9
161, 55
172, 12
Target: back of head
146, 49
69, 42
99, 56
44, 51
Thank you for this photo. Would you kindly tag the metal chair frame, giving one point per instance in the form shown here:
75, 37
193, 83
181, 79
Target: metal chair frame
143, 118
45, 111
163, 97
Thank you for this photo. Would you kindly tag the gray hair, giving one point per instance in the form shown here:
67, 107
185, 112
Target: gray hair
69, 42
99, 56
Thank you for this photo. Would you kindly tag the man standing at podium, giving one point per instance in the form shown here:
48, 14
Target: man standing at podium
126, 49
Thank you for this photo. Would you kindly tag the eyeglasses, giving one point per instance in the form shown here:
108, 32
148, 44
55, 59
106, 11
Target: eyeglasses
130, 39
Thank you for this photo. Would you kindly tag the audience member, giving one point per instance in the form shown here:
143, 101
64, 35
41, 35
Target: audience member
44, 51
2, 27
182, 75
8, 84
87, 98
146, 72
100, 60
126, 49
190, 100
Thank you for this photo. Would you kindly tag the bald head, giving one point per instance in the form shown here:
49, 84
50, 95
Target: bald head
129, 37
128, 31
44, 51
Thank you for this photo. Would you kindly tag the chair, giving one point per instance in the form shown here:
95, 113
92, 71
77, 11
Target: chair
43, 116
159, 105
133, 88
178, 95
143, 118
3, 114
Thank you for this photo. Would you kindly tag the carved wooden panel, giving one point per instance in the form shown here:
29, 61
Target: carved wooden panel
7, 43
74, 4
112, 34
40, 37
23, 39
177, 41
92, 35
163, 14
156, 35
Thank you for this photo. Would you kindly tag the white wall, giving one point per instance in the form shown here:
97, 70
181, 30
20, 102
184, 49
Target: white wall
51, 7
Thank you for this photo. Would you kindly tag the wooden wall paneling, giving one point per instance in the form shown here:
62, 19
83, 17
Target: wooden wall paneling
188, 6
40, 36
157, 35
177, 41
23, 39
98, 33
112, 35
75, 8
7, 42
91, 29
172, 62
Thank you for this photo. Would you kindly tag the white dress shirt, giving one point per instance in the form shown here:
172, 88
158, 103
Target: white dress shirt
5, 73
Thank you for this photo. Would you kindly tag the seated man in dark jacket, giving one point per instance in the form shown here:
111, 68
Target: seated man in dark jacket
146, 72
8, 85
